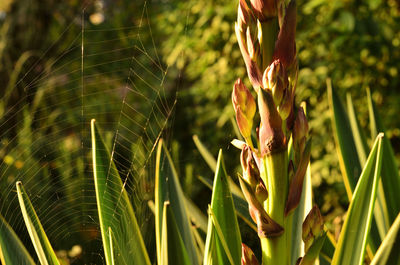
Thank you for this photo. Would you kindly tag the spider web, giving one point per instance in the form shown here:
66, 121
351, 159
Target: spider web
112, 74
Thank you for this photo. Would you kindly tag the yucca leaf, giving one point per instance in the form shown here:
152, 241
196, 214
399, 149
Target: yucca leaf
380, 224
39, 239
114, 208
212, 163
173, 248
312, 254
241, 205
390, 169
328, 248
388, 252
348, 157
111, 240
348, 153
353, 237
299, 214
12, 251
168, 188
224, 222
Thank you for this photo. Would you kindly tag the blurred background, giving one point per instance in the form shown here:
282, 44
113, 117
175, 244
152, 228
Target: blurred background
165, 68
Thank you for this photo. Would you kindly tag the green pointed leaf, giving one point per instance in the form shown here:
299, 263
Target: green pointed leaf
12, 251
380, 224
328, 248
390, 169
388, 252
241, 205
347, 151
173, 249
312, 253
353, 237
212, 163
299, 215
39, 238
168, 188
114, 208
224, 221
349, 145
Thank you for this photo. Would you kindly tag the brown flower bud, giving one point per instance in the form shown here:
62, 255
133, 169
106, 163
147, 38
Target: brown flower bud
248, 257
245, 108
264, 9
251, 174
300, 132
253, 70
313, 227
245, 16
276, 80
271, 135
253, 47
285, 46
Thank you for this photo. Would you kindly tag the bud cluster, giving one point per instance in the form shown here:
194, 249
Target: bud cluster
266, 30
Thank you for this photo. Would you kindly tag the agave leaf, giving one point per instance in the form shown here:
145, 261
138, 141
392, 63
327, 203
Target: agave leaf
12, 251
299, 215
173, 249
390, 172
114, 208
388, 252
39, 238
241, 205
167, 188
223, 238
353, 237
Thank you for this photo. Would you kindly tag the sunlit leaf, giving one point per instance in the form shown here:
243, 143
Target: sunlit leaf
388, 252
39, 238
168, 188
12, 251
353, 237
173, 248
226, 250
390, 169
115, 209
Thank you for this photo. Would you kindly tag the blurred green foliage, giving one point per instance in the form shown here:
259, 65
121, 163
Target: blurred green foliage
355, 43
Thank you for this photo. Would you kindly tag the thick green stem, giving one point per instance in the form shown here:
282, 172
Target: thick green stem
276, 250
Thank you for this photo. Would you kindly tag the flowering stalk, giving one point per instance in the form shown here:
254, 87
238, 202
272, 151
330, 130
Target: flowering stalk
272, 181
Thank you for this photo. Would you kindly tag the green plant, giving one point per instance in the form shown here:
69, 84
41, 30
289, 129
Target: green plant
275, 180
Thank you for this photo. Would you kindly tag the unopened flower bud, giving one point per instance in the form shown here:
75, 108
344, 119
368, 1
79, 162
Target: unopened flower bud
300, 131
253, 47
264, 9
251, 174
245, 16
248, 257
313, 227
261, 192
275, 79
245, 108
